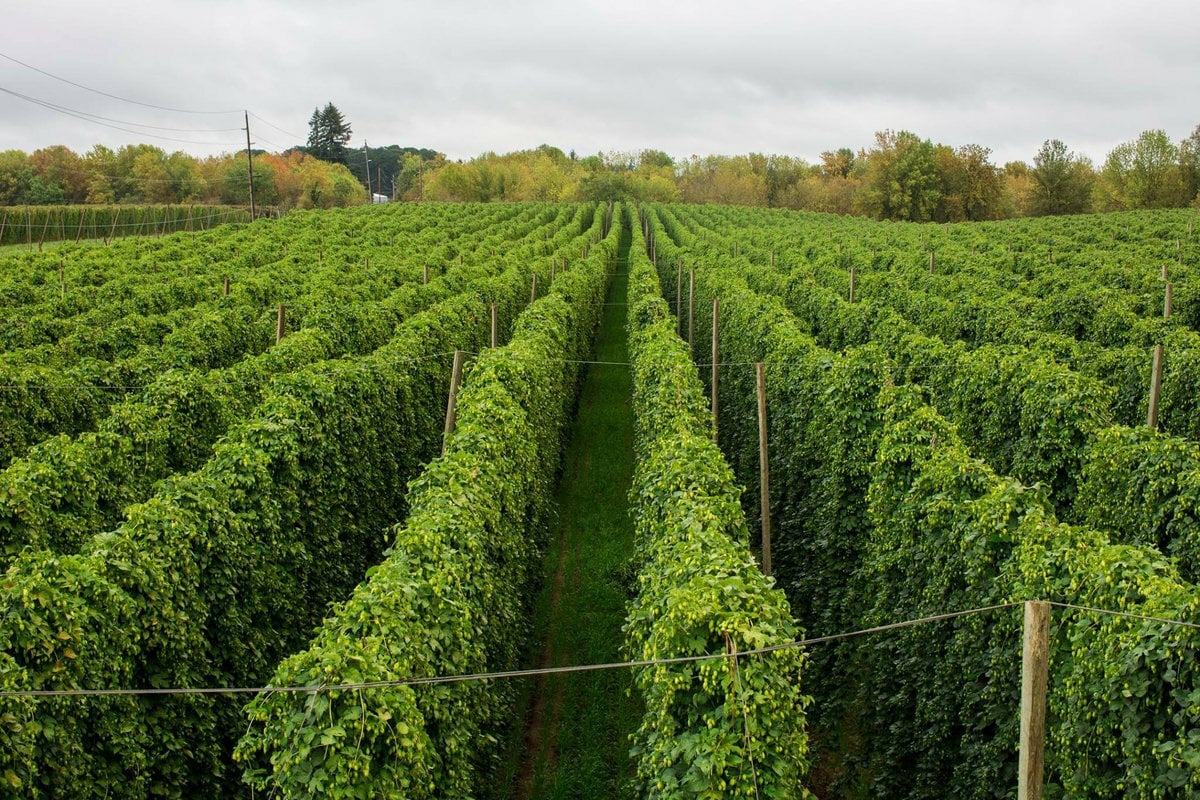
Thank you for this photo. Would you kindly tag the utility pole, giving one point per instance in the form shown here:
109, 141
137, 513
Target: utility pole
367, 156
249, 165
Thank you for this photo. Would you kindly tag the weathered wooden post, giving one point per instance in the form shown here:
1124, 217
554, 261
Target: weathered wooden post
1035, 677
764, 483
1155, 387
715, 325
452, 401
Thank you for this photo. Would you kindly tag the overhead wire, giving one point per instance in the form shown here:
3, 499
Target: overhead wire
83, 116
113, 96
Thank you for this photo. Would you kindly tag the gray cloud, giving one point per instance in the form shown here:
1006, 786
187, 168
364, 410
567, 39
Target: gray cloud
685, 77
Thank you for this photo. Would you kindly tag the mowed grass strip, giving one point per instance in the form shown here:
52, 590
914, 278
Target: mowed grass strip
572, 739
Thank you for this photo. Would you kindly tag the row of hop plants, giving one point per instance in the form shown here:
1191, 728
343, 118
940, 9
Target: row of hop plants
884, 515
36, 225
452, 595
225, 570
724, 726
67, 488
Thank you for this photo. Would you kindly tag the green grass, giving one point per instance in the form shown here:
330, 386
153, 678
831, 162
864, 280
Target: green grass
571, 740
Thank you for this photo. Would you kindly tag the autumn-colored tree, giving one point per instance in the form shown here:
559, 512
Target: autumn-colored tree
62, 166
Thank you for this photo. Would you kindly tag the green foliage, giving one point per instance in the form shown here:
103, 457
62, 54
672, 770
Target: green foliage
882, 515
450, 597
719, 727
215, 574
328, 134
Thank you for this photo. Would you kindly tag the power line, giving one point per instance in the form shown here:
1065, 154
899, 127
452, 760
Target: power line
113, 96
56, 106
270, 124
86, 118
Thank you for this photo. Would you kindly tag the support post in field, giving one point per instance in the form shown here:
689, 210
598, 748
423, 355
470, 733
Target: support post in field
1035, 677
931, 262
425, 274
691, 305
1155, 387
225, 291
1164, 272
715, 327
452, 401
62, 278
764, 476
853, 283
679, 298
281, 323
495, 326
533, 288
1169, 301
772, 259
553, 270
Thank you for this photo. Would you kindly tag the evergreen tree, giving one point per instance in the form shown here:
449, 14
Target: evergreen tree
328, 134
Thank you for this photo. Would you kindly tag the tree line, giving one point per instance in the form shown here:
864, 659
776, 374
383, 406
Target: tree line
900, 176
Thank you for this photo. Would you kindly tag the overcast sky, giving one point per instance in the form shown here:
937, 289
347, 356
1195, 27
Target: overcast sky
684, 77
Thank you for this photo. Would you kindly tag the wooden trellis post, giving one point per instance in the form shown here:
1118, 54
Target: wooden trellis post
452, 401
1035, 673
280, 323
715, 326
764, 477
1155, 387
691, 305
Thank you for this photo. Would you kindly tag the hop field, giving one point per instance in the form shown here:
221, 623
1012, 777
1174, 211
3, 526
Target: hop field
227, 463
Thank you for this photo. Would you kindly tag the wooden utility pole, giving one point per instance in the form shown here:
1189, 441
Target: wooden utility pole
249, 166
280, 323
1155, 387
452, 401
716, 324
367, 158
1035, 677
764, 477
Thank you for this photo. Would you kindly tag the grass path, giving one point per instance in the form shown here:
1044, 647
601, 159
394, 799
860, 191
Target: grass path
571, 740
